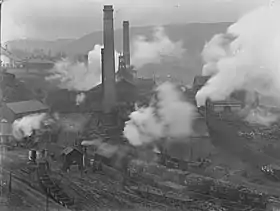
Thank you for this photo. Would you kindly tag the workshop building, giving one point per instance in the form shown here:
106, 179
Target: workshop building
15, 110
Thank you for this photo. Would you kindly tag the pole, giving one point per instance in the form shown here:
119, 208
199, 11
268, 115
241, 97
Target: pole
10, 183
47, 199
1, 2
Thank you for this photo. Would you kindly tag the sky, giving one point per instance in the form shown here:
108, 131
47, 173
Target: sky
56, 19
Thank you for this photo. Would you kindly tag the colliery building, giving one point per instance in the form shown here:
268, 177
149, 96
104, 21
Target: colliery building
39, 63
15, 110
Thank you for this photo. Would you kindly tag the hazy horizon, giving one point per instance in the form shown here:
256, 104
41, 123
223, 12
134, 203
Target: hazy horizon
71, 19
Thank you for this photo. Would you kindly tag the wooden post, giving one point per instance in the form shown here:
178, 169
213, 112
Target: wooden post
10, 183
47, 200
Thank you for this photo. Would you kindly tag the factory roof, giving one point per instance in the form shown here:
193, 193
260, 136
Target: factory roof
68, 150
26, 106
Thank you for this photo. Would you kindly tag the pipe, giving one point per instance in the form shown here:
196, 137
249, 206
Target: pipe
126, 47
109, 96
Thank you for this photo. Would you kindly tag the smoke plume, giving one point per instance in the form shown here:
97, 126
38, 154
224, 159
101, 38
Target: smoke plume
77, 76
168, 115
25, 126
154, 51
249, 62
80, 98
213, 51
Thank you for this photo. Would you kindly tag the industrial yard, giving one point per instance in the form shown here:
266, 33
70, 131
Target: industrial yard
83, 148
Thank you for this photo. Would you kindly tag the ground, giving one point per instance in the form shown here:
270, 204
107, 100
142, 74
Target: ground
97, 190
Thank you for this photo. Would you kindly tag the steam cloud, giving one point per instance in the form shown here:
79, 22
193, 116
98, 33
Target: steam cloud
169, 115
24, 127
249, 62
80, 98
77, 76
154, 51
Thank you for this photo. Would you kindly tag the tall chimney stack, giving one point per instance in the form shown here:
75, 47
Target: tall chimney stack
126, 48
109, 92
102, 70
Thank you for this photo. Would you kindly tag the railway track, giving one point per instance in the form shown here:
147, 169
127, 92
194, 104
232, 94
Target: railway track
53, 189
18, 180
121, 198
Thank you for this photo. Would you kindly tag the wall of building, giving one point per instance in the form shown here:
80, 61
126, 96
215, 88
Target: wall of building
39, 66
6, 113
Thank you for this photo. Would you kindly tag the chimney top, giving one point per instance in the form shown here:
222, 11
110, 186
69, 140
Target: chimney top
108, 8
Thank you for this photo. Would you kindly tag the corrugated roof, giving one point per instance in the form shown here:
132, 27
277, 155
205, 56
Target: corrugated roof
26, 106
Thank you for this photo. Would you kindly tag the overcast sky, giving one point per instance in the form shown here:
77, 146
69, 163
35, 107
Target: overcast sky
53, 19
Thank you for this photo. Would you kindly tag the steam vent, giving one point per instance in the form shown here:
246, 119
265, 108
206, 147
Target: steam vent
109, 93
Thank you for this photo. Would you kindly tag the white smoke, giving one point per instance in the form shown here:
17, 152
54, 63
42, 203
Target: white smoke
251, 62
169, 115
154, 51
261, 116
77, 76
80, 98
213, 51
25, 126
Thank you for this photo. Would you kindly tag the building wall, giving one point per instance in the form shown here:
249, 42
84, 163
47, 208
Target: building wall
7, 114
40, 66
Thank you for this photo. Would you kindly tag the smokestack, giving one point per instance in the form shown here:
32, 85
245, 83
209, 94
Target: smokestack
102, 70
109, 96
126, 48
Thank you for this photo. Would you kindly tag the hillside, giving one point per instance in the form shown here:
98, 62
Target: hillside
30, 45
193, 35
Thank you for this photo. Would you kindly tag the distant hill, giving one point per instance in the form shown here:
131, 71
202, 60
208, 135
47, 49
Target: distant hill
30, 44
193, 35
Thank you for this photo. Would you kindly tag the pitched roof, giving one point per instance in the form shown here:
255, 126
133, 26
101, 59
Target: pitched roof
26, 106
68, 150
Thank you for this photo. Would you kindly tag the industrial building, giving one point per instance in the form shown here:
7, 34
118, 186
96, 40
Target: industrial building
39, 63
15, 110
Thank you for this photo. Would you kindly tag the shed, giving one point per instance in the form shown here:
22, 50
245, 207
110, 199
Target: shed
70, 156
14, 110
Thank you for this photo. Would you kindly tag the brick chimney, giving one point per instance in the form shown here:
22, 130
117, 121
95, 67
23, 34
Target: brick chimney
102, 70
126, 48
109, 92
